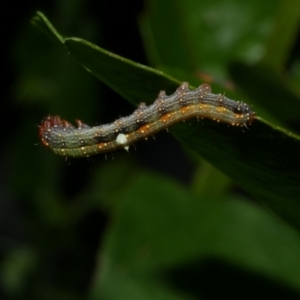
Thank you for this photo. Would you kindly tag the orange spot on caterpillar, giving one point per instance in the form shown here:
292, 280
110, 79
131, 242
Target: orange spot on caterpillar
165, 118
144, 129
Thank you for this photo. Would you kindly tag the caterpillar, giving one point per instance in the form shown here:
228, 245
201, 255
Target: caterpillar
67, 140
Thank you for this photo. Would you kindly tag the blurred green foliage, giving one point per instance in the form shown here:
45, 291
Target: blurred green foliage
120, 228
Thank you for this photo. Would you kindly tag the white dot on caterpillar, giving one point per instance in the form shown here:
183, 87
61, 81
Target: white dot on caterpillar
122, 139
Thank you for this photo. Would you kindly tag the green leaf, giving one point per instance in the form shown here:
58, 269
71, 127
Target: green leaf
156, 231
286, 30
263, 159
43, 24
268, 90
206, 35
135, 82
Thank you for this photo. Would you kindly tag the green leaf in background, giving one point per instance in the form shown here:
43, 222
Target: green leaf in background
262, 159
285, 30
206, 35
156, 230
